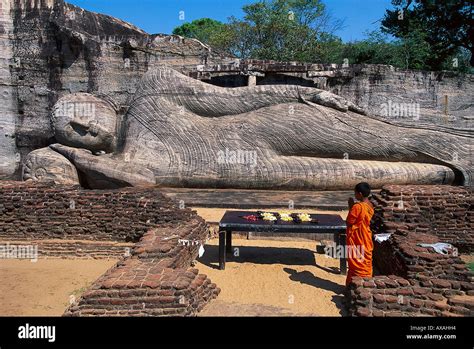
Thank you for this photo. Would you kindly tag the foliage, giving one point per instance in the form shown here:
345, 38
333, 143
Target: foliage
425, 36
208, 31
444, 27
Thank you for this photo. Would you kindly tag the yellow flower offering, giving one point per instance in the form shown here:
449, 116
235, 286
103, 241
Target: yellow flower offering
268, 216
286, 218
304, 217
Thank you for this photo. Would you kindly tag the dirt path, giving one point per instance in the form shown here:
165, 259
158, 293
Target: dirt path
43, 288
269, 277
273, 278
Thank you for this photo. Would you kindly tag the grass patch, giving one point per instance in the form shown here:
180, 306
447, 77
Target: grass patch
471, 266
77, 293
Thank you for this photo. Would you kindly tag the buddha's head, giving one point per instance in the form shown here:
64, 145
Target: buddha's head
82, 120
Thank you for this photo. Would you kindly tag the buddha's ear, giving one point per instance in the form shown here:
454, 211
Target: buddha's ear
113, 143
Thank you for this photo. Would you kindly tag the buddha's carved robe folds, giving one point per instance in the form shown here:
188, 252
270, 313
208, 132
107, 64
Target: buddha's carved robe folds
180, 131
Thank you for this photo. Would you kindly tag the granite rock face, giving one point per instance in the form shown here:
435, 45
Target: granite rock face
406, 97
409, 97
50, 49
53, 51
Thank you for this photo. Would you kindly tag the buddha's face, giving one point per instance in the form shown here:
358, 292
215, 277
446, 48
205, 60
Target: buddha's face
84, 121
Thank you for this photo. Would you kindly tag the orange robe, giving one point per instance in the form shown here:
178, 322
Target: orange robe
359, 241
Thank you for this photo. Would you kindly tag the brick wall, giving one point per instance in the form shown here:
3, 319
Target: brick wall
415, 280
47, 211
156, 241
156, 280
401, 255
444, 211
73, 249
395, 296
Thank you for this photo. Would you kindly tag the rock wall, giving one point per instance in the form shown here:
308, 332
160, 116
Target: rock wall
444, 211
9, 160
50, 48
437, 98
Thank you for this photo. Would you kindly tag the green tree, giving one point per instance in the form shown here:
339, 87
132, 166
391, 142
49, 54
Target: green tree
284, 30
208, 31
241, 38
412, 52
375, 49
329, 49
419, 34
446, 26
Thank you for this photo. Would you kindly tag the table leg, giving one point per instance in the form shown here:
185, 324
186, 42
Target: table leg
343, 260
222, 235
228, 241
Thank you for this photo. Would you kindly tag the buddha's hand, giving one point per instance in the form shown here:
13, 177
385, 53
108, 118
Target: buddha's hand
328, 99
75, 155
109, 167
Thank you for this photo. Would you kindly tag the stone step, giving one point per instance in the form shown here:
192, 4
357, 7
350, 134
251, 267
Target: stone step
251, 199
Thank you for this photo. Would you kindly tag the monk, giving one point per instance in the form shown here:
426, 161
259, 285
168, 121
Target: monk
359, 237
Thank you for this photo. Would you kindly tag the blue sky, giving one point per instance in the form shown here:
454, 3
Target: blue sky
162, 16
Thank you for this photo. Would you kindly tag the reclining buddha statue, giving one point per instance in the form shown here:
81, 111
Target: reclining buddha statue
179, 131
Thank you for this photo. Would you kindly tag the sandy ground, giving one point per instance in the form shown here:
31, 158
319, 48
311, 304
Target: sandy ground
264, 278
267, 277
273, 278
44, 288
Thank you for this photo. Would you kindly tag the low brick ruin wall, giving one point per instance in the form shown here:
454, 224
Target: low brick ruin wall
401, 255
47, 211
156, 241
415, 280
155, 281
444, 211
396, 296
